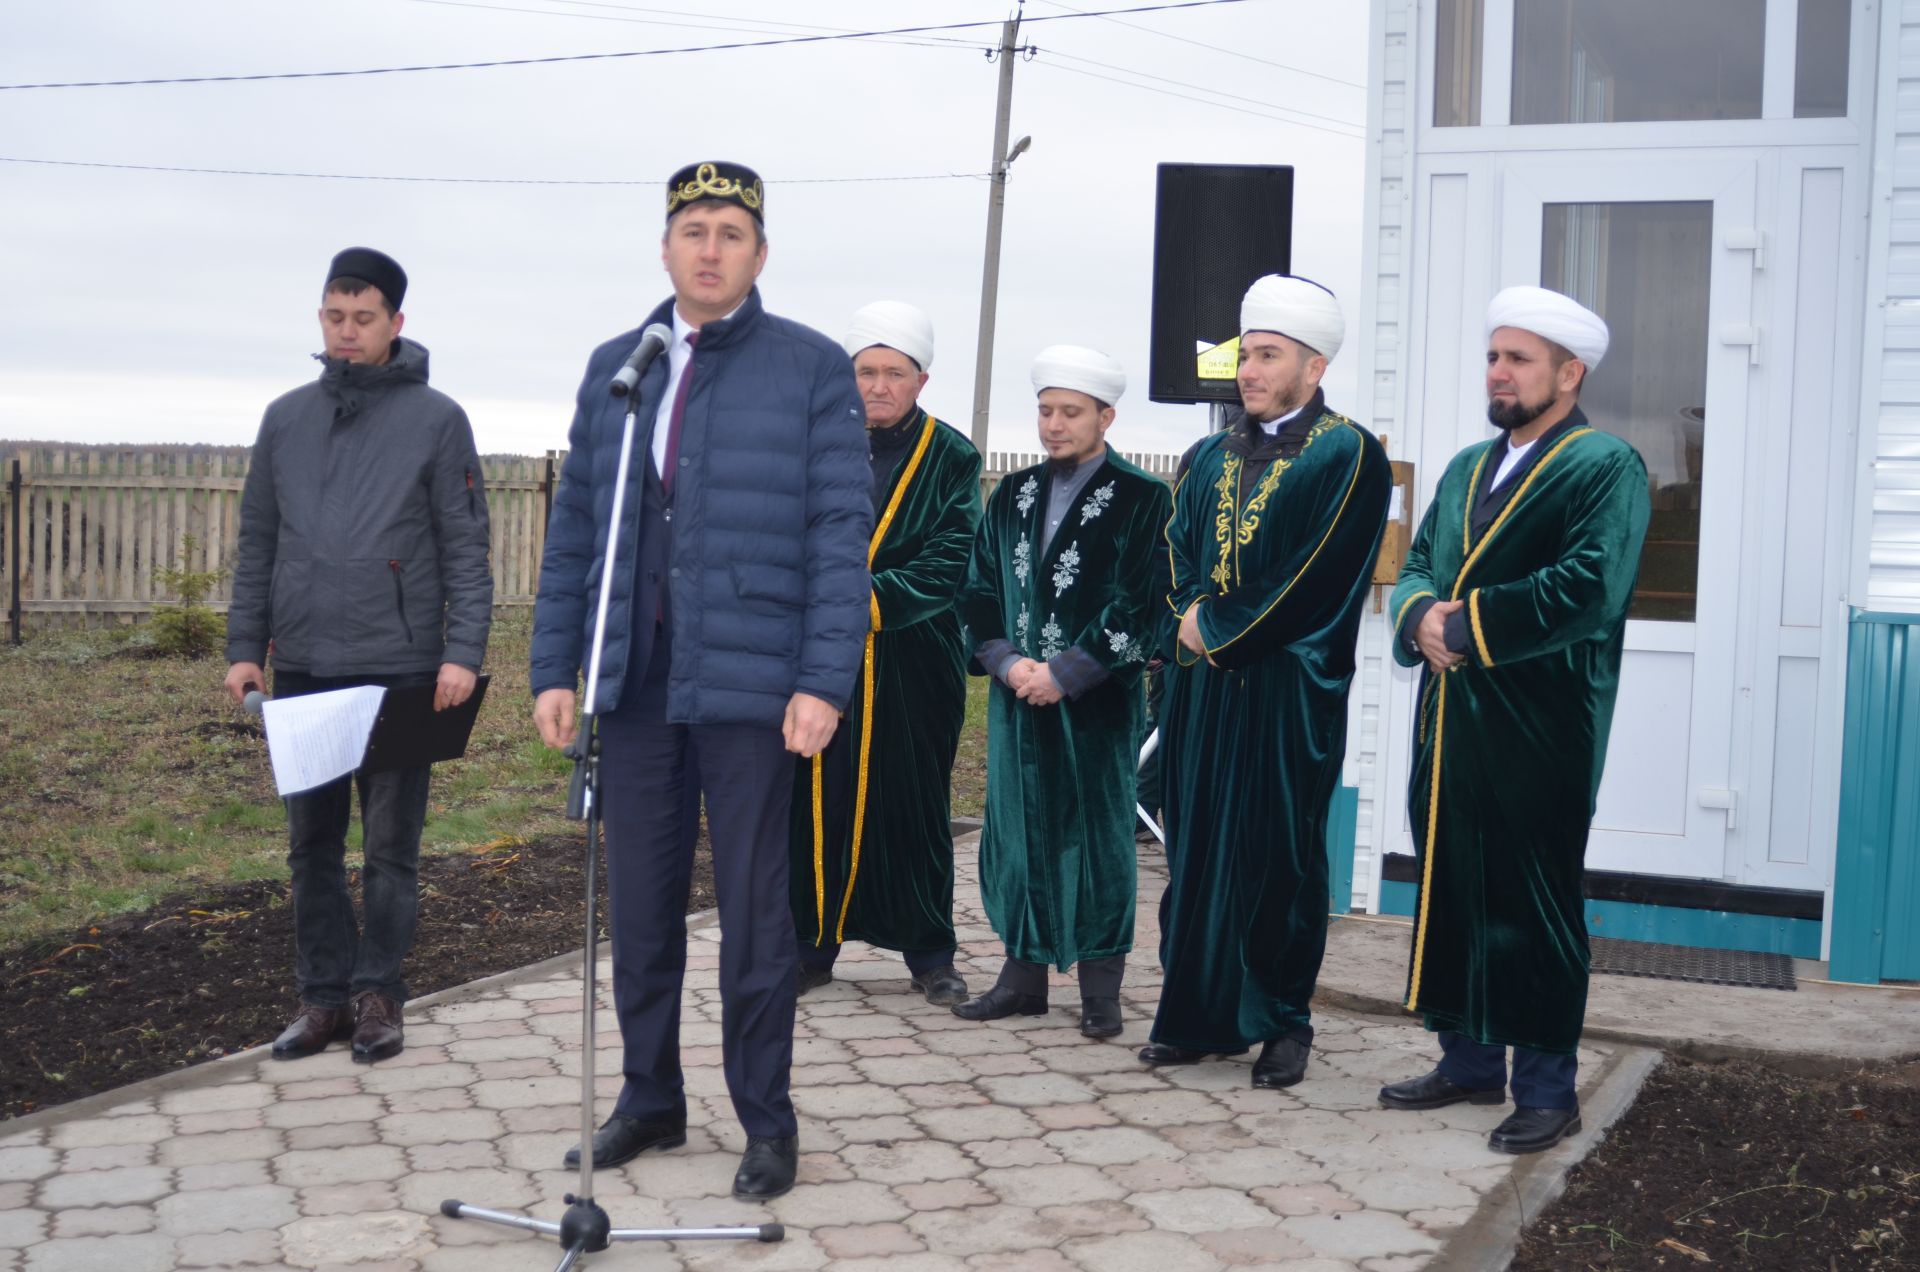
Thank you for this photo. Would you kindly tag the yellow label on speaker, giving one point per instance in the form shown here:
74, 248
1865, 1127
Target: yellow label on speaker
1221, 361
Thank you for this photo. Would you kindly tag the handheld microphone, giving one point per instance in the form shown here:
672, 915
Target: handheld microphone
254, 703
653, 341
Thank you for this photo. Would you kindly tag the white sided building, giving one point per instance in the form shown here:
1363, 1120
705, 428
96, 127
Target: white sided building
1734, 185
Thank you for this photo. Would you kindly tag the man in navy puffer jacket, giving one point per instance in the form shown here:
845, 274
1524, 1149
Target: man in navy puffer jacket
736, 618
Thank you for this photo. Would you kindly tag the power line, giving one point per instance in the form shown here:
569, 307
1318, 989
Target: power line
779, 28
1200, 88
602, 57
1258, 114
526, 181
1200, 44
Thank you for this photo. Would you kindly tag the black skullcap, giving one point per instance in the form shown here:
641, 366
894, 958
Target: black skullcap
731, 182
373, 267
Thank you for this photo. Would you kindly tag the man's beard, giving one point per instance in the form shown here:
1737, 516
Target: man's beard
1287, 400
1519, 415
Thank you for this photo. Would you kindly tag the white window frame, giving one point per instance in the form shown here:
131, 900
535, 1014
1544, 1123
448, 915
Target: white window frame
1776, 125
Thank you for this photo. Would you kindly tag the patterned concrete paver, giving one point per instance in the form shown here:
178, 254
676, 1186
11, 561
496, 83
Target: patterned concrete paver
927, 1142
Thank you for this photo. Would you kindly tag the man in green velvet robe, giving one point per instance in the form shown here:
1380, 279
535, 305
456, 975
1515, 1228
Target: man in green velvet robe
1276, 524
871, 842
1059, 604
1514, 600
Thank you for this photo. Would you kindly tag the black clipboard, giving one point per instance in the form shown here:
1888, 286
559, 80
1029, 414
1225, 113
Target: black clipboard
408, 732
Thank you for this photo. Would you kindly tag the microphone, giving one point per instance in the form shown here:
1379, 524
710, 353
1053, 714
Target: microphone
254, 702
653, 341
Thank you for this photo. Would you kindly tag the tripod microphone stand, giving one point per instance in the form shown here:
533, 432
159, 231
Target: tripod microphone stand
1146, 753
585, 1228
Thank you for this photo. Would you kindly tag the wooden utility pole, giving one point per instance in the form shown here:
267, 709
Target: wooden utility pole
996, 209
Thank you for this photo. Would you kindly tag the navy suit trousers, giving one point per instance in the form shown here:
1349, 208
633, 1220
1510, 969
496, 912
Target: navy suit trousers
652, 774
1541, 1080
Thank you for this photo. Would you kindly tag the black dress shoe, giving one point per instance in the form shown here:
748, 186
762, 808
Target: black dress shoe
1434, 1091
377, 1031
1000, 1002
1281, 1063
812, 978
1159, 1053
1100, 1017
622, 1138
767, 1168
1533, 1130
942, 986
311, 1030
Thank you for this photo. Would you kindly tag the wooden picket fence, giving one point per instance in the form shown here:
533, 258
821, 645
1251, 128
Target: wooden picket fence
87, 532
999, 463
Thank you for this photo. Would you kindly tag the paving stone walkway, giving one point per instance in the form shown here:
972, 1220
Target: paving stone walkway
928, 1144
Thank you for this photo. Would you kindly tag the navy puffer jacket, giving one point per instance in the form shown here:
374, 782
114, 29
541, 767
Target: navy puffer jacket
772, 512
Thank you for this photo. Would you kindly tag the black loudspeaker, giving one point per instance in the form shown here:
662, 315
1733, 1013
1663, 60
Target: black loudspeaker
1216, 228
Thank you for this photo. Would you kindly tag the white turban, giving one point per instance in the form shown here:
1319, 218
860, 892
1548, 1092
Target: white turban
1296, 308
1085, 371
1550, 316
895, 324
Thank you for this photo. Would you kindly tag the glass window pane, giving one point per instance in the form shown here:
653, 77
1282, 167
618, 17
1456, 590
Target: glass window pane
1820, 59
1644, 267
1615, 61
1456, 63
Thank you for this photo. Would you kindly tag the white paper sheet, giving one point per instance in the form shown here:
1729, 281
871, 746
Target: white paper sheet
317, 737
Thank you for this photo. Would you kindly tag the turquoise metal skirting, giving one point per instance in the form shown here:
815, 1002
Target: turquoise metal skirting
1342, 821
1704, 929
1876, 877
1669, 925
1397, 898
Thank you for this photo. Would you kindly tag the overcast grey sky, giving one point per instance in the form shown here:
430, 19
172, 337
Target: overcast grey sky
170, 307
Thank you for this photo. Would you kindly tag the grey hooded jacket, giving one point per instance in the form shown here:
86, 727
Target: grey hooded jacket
363, 528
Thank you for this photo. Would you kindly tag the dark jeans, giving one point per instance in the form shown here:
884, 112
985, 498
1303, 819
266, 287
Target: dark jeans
336, 958
1541, 1080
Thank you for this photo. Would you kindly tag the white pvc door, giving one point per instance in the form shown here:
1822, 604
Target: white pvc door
1673, 277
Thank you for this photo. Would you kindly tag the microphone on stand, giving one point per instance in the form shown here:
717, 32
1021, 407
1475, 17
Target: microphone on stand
653, 342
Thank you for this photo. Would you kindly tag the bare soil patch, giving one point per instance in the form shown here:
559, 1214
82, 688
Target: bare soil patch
210, 971
1738, 1165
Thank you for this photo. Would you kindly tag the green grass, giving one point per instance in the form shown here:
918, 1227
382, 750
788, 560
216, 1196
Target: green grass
125, 777
970, 767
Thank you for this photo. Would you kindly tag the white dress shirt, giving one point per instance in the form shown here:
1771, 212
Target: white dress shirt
679, 354
1509, 462
1273, 426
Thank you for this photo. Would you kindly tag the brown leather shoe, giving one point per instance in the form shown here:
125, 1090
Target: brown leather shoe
377, 1033
311, 1031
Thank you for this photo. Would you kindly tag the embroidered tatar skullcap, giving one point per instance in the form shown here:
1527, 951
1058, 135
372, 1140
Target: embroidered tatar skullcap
373, 267
1083, 370
732, 182
895, 324
1551, 316
1297, 308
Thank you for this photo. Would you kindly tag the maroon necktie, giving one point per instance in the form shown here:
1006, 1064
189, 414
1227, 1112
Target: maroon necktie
674, 417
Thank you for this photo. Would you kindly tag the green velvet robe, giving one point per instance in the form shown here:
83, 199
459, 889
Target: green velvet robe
871, 844
1056, 856
1510, 743
1279, 563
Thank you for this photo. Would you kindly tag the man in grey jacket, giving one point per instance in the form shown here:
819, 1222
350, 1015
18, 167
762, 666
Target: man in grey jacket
362, 560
